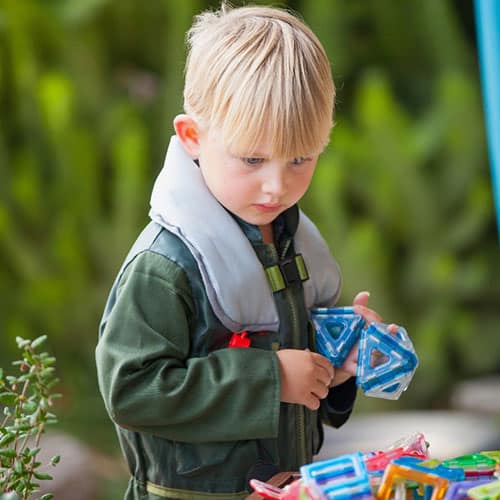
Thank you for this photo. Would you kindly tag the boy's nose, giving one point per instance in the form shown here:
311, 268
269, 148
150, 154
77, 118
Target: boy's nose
274, 184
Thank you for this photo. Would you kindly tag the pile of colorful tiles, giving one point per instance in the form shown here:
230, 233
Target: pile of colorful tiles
404, 470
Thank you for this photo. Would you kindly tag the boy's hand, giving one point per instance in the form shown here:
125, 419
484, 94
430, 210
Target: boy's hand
305, 377
349, 366
360, 304
347, 369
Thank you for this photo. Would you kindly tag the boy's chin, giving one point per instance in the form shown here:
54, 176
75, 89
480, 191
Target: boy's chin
260, 220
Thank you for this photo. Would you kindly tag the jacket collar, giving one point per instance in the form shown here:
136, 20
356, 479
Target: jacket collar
226, 256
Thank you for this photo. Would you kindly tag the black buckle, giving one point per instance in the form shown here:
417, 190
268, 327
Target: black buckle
289, 270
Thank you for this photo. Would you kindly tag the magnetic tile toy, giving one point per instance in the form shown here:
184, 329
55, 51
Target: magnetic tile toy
386, 360
337, 330
397, 361
411, 469
488, 491
475, 464
339, 478
458, 491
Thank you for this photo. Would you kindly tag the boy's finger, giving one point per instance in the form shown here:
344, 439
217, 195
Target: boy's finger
320, 390
323, 363
369, 315
392, 328
361, 299
312, 402
324, 377
350, 366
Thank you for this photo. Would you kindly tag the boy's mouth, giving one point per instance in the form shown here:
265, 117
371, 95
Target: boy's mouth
268, 207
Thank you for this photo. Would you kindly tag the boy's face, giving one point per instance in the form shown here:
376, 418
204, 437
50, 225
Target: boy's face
256, 188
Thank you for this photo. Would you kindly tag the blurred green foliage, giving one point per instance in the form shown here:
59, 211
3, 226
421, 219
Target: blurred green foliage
88, 90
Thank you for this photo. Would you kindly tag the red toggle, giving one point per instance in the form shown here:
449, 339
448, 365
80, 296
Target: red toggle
240, 340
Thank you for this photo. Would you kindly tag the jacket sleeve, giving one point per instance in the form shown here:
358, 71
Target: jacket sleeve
150, 383
336, 408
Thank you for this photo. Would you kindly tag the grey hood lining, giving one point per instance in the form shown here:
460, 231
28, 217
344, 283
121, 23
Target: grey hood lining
182, 204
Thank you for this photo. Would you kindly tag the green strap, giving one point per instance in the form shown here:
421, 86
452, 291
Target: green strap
301, 266
163, 491
277, 279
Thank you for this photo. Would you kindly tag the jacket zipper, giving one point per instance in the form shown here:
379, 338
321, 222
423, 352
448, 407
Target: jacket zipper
299, 409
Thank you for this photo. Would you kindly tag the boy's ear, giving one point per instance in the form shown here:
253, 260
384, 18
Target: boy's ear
188, 132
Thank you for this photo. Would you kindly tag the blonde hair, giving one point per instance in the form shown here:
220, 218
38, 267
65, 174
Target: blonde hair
259, 73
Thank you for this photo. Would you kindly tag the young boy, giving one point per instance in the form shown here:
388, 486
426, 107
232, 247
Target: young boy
206, 357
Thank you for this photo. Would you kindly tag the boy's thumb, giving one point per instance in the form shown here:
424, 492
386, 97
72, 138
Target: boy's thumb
361, 299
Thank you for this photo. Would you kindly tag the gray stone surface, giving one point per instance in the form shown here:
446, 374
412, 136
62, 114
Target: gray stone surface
450, 433
480, 395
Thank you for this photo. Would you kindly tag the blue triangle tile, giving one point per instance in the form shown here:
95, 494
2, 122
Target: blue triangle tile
337, 330
399, 362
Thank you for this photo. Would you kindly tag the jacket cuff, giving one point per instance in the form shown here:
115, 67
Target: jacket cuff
339, 403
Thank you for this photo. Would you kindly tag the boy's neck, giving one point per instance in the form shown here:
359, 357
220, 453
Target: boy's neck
267, 233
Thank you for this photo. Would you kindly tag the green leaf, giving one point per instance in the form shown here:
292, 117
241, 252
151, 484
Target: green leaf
7, 452
22, 427
34, 418
18, 466
29, 407
39, 341
8, 398
22, 343
55, 459
47, 372
33, 451
7, 439
42, 476
47, 496
49, 361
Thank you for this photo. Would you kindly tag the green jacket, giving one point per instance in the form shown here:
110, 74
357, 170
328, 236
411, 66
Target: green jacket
197, 419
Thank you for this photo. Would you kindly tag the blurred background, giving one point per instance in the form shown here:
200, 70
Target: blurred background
88, 91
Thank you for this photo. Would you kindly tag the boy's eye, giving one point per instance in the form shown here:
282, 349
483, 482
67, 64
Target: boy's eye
252, 161
299, 160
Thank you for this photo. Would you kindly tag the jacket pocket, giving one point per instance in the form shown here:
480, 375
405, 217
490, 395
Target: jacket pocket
194, 459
